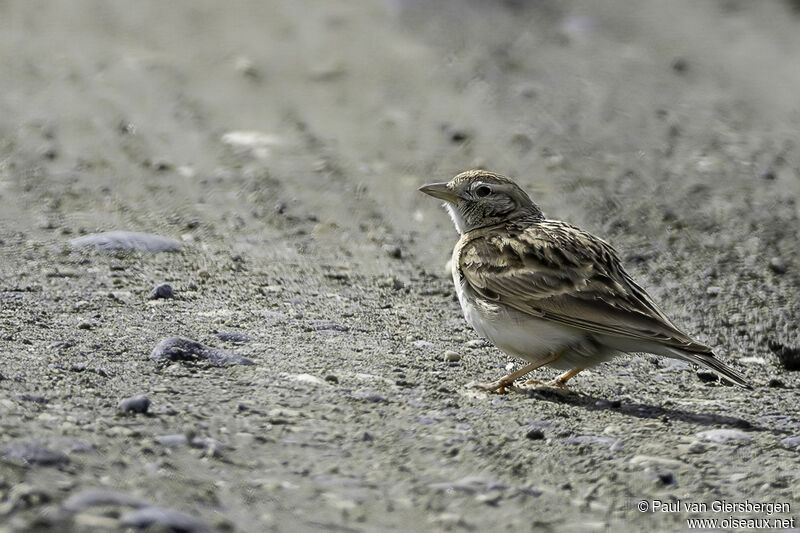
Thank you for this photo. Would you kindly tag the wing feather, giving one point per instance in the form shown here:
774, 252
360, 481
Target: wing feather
556, 271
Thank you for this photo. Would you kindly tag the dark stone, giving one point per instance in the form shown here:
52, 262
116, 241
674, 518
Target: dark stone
778, 265
162, 291
667, 478
94, 498
127, 240
680, 65
33, 454
707, 376
49, 152
459, 136
775, 383
393, 250
535, 434
134, 404
180, 349
788, 356
163, 518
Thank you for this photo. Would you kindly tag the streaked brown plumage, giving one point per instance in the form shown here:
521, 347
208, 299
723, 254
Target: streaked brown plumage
547, 291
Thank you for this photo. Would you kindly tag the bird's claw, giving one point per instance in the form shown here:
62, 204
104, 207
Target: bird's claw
499, 386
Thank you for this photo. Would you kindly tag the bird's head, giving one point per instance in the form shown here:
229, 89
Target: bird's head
477, 198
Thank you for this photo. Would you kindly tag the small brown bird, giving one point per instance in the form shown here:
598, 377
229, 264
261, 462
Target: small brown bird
549, 292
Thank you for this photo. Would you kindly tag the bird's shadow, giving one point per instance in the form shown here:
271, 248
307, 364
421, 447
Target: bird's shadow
642, 410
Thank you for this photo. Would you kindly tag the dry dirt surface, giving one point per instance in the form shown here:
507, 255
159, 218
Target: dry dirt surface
305, 368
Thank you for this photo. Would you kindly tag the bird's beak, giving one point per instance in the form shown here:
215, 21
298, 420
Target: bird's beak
440, 191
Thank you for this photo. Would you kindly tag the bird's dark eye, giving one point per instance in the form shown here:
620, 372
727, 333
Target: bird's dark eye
482, 191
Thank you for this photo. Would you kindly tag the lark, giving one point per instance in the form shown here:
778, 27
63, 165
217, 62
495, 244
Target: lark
548, 292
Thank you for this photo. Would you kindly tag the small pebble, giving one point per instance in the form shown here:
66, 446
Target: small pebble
490, 498
707, 376
161, 165
161, 291
667, 478
713, 291
697, 447
613, 404
308, 378
370, 396
775, 383
650, 460
534, 434
95, 498
456, 135
777, 265
178, 439
680, 65
180, 349
163, 519
709, 272
767, 174
725, 435
127, 240
423, 345
33, 453
789, 356
451, 357
392, 250
135, 404
791, 442
49, 152
245, 66
476, 343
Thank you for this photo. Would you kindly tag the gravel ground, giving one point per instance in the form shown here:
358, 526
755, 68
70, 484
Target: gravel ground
289, 355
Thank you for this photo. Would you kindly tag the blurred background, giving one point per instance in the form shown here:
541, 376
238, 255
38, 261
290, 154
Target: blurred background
282, 142
154, 115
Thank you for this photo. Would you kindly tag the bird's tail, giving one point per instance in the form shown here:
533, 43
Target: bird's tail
708, 360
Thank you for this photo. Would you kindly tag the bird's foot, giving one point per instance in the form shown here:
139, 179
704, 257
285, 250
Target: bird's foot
534, 386
500, 386
557, 384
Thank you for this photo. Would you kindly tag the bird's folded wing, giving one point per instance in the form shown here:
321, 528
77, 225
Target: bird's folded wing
560, 273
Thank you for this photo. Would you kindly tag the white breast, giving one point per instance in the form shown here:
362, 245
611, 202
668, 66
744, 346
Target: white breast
514, 332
